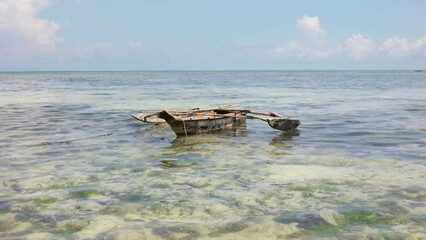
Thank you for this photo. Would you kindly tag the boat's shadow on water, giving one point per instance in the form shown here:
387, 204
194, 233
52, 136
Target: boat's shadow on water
228, 138
284, 137
212, 140
160, 132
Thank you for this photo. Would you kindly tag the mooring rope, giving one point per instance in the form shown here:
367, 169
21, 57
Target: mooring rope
80, 139
184, 128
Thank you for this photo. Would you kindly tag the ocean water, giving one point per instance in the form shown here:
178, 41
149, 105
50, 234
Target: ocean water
75, 165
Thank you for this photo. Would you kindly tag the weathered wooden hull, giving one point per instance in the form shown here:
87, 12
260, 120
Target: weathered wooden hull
192, 125
196, 121
149, 117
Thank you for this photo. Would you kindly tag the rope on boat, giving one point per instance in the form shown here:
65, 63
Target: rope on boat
184, 128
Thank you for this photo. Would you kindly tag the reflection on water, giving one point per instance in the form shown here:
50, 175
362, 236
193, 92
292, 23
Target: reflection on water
75, 165
283, 137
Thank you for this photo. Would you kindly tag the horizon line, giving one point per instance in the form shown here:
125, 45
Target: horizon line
214, 70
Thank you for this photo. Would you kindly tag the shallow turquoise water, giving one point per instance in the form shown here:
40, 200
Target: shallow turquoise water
74, 164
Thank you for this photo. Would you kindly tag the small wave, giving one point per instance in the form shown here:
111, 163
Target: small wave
356, 134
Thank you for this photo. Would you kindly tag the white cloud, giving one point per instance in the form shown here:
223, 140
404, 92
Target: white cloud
359, 47
310, 25
174, 53
136, 45
303, 51
23, 33
88, 51
397, 47
310, 46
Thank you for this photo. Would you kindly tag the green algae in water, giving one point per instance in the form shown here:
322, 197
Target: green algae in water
348, 219
308, 190
339, 182
419, 196
67, 228
160, 185
365, 217
94, 179
113, 168
392, 207
387, 236
155, 174
60, 183
45, 201
419, 220
7, 226
137, 170
86, 193
68, 231
327, 229
158, 208
39, 202
314, 224
321, 229
168, 161
66, 183
134, 198
171, 163
414, 195
265, 200
313, 188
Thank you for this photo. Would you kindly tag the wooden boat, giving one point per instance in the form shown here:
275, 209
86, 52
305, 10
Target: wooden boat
200, 121
149, 117
196, 120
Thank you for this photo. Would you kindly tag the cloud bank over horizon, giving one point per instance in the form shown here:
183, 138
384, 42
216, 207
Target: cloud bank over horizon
23, 33
27, 37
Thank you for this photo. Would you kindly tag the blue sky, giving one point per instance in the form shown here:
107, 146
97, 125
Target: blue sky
212, 35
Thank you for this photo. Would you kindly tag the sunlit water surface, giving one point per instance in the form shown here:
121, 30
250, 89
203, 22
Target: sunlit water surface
75, 165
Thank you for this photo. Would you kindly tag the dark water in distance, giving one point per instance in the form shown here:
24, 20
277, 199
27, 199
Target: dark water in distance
74, 164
